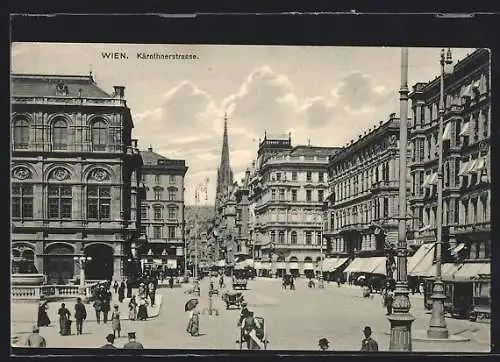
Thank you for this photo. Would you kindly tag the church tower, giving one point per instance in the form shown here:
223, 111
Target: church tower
224, 174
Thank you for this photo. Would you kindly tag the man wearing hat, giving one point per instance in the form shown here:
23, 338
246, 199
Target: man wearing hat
35, 340
110, 339
323, 344
132, 343
368, 344
243, 313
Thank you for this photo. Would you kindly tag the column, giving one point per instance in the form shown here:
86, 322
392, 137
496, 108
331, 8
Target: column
117, 262
39, 247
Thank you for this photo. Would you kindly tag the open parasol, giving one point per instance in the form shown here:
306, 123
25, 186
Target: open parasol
190, 304
361, 277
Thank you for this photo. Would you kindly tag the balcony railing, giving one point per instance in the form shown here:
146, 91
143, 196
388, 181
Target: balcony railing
470, 228
23, 292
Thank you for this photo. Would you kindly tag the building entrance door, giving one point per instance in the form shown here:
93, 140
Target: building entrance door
101, 265
59, 264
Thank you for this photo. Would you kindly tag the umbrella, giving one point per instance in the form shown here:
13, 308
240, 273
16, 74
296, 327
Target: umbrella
190, 304
361, 277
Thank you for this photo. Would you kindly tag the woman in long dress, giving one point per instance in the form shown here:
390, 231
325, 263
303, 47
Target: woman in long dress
43, 318
64, 315
121, 292
115, 322
132, 309
142, 313
193, 327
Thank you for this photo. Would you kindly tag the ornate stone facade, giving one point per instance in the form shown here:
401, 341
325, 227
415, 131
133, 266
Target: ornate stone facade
75, 173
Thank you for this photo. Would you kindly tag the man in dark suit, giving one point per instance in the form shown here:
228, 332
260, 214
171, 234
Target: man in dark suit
368, 344
80, 315
132, 343
110, 339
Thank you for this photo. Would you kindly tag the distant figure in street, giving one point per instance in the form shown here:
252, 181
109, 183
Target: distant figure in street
243, 313
221, 281
323, 344
115, 322
115, 286
132, 309
98, 308
129, 288
110, 339
142, 313
250, 324
121, 292
43, 318
35, 340
106, 305
80, 315
368, 344
132, 343
421, 288
64, 315
152, 293
388, 296
171, 282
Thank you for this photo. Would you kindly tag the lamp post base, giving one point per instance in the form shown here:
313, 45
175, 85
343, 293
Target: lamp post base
321, 282
437, 325
401, 321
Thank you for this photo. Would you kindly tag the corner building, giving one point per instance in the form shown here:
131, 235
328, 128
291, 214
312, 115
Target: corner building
75, 175
363, 202
287, 191
162, 213
466, 169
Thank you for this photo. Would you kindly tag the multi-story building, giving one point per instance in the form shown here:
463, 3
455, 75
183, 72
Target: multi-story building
363, 201
75, 174
162, 213
466, 163
287, 190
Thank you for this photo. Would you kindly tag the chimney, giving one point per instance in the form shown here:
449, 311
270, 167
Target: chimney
150, 148
392, 115
119, 91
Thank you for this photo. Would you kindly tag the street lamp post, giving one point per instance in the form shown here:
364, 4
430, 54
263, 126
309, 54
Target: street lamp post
322, 261
82, 260
401, 319
437, 326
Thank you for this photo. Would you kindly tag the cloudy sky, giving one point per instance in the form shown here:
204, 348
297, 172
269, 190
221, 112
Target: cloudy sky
325, 95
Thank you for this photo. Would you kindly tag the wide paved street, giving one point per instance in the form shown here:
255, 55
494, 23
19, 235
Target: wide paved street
295, 320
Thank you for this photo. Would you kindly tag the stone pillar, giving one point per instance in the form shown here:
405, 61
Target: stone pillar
117, 261
39, 248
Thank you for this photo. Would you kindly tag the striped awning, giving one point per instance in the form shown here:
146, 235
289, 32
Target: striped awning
470, 270
331, 264
465, 129
421, 261
293, 265
448, 270
365, 265
308, 266
464, 167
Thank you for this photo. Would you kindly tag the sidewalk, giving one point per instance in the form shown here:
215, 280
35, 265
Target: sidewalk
24, 315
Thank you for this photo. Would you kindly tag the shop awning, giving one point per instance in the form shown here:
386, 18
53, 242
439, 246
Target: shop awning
472, 166
257, 265
308, 266
365, 265
265, 265
448, 270
421, 261
293, 265
280, 265
465, 129
486, 270
380, 269
331, 264
447, 132
457, 249
464, 167
470, 270
426, 181
433, 179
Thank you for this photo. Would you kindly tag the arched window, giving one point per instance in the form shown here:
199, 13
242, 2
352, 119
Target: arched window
273, 236
21, 134
282, 237
99, 136
294, 237
59, 135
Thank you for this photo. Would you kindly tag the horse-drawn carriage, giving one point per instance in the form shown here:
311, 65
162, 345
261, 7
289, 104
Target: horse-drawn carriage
233, 299
240, 278
256, 338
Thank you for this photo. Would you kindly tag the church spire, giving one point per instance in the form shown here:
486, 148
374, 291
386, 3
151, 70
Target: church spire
224, 174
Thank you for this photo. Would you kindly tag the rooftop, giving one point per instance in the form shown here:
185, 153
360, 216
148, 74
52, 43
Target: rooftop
51, 85
151, 158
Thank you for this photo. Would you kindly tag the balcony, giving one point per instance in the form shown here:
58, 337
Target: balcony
385, 185
471, 228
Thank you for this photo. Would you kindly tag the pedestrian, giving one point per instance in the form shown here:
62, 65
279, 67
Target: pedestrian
64, 315
121, 292
142, 313
132, 343
338, 282
421, 288
106, 306
171, 282
250, 324
132, 309
129, 288
389, 298
152, 293
243, 313
368, 344
98, 309
43, 317
80, 315
115, 286
193, 327
323, 344
115, 321
35, 340
110, 339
